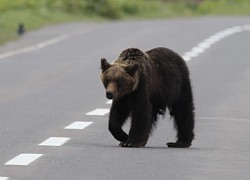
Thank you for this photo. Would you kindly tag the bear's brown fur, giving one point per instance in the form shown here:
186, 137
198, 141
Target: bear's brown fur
142, 85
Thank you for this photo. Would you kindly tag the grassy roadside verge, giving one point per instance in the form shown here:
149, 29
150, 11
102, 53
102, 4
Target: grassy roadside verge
38, 13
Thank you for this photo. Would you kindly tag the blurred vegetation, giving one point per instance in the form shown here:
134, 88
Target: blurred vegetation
37, 13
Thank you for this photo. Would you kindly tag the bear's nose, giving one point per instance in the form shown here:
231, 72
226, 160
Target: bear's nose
109, 95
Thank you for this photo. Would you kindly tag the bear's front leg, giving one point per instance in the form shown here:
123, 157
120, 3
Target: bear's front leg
116, 130
118, 115
140, 126
138, 134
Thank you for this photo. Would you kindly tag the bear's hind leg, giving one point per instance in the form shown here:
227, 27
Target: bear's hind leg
184, 121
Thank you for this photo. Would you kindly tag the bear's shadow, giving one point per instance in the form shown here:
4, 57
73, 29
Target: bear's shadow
144, 148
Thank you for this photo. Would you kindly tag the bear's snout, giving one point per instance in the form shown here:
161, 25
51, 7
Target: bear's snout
111, 90
109, 95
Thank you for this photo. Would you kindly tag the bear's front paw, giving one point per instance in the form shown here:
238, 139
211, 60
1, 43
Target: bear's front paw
131, 145
179, 144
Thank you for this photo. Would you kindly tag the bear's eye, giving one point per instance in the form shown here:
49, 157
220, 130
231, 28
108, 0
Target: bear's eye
105, 82
121, 82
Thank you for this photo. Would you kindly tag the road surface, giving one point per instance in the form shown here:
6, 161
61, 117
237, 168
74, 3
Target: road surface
50, 79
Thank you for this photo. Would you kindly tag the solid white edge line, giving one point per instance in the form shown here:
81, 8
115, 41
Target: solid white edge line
246, 27
42, 44
78, 125
54, 141
98, 112
208, 42
35, 46
23, 159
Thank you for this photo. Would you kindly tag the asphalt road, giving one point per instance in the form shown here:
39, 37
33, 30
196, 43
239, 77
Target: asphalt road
55, 81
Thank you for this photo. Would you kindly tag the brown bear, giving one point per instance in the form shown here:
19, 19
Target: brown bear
142, 85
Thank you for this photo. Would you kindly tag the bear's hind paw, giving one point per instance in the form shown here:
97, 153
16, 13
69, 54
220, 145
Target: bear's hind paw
179, 144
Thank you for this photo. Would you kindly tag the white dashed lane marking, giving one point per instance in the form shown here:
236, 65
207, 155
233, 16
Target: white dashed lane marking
54, 141
78, 125
3, 178
109, 102
98, 112
23, 159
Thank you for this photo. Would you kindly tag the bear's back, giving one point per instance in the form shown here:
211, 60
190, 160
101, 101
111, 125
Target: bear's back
157, 61
164, 55
168, 64
132, 56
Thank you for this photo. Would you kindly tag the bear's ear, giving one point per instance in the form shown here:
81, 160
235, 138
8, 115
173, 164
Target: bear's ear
131, 69
104, 64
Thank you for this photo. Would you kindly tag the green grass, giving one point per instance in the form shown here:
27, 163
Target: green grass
38, 13
225, 7
159, 9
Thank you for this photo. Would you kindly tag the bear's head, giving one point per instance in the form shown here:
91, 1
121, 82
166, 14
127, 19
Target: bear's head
119, 79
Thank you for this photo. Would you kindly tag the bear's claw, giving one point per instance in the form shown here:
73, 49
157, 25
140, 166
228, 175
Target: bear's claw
129, 144
125, 144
